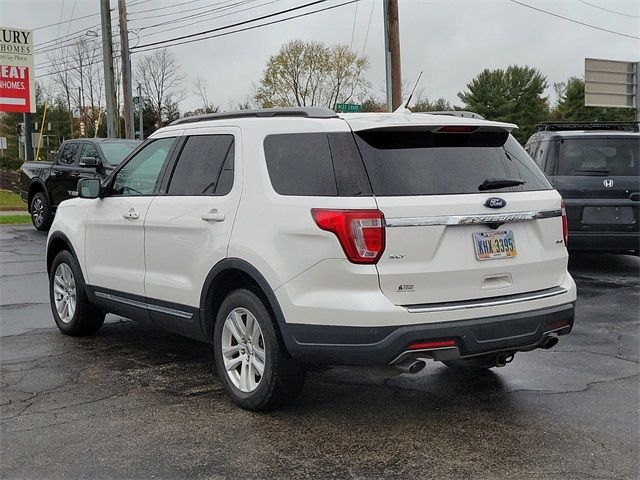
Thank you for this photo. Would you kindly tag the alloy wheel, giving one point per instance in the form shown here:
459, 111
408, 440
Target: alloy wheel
64, 292
243, 350
37, 211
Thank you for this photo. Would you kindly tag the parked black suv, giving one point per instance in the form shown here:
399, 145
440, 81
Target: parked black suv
45, 184
594, 166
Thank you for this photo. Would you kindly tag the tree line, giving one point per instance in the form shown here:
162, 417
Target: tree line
301, 73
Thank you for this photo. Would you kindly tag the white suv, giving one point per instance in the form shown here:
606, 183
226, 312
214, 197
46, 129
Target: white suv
294, 237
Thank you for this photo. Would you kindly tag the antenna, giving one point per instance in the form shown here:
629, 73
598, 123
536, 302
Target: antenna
406, 105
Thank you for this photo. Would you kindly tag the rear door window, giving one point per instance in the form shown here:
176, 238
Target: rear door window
316, 164
300, 164
429, 163
205, 166
599, 156
69, 153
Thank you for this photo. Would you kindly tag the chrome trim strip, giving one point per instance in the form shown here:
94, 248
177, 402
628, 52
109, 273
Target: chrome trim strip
489, 302
481, 218
146, 306
119, 299
169, 311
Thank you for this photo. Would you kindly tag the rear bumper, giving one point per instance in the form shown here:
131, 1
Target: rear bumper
604, 241
338, 345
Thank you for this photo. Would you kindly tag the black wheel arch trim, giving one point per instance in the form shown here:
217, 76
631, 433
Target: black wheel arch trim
62, 237
253, 272
41, 186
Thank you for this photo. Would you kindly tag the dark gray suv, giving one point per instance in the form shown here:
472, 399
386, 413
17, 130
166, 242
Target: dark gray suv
594, 166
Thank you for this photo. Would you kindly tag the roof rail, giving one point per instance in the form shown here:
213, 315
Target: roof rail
568, 126
305, 112
456, 113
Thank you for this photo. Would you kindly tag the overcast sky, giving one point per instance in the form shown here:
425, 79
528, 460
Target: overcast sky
450, 40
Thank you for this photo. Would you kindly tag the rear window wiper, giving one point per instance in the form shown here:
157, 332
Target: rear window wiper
492, 183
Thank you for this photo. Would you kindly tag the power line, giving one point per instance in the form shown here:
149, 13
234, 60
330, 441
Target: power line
366, 37
54, 72
182, 11
574, 21
255, 26
73, 9
183, 37
60, 19
156, 9
607, 10
150, 34
193, 15
353, 28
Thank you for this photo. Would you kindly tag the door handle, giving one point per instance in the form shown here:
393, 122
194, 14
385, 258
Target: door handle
131, 215
213, 216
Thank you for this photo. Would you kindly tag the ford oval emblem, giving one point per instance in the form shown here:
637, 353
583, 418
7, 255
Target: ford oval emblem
495, 202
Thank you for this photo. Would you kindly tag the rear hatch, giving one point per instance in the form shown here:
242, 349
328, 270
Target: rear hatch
461, 225
599, 178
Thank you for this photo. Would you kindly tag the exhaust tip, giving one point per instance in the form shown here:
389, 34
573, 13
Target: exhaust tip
411, 366
549, 342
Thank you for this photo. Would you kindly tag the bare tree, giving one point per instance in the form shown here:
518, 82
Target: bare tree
162, 83
201, 89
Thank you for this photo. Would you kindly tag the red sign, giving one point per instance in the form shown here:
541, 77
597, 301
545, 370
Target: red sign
14, 89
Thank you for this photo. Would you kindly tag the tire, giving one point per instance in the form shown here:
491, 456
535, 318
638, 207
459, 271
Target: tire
40, 211
282, 379
66, 286
478, 364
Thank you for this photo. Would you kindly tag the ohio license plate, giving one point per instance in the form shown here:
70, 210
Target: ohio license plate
492, 245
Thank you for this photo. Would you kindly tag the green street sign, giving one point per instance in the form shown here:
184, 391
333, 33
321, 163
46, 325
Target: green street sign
348, 107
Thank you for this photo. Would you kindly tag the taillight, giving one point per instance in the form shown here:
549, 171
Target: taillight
565, 225
360, 232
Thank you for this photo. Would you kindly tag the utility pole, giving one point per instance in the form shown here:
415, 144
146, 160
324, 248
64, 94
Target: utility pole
140, 112
107, 61
127, 89
392, 54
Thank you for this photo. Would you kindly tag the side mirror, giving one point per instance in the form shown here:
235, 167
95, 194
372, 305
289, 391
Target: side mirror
89, 162
88, 188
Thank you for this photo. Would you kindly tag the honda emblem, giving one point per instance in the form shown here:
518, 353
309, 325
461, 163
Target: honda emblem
608, 183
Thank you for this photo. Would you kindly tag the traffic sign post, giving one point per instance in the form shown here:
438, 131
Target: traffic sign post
17, 91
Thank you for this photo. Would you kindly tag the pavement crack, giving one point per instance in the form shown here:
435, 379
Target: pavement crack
582, 390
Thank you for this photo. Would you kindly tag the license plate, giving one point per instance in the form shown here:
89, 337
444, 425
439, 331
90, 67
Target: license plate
492, 245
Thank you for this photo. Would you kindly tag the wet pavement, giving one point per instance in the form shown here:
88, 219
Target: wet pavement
136, 402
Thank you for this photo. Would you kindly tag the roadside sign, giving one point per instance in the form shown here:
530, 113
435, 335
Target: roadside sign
3, 143
610, 83
17, 90
348, 107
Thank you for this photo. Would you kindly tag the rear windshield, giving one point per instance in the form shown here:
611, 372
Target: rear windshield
426, 163
115, 152
599, 156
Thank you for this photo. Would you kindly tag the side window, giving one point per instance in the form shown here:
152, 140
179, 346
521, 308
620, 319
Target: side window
300, 164
68, 154
541, 154
205, 166
140, 174
89, 150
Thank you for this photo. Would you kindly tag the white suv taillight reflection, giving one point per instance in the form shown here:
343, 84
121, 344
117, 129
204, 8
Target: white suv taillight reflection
360, 232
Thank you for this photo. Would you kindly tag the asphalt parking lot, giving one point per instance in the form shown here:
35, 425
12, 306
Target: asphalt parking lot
136, 402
